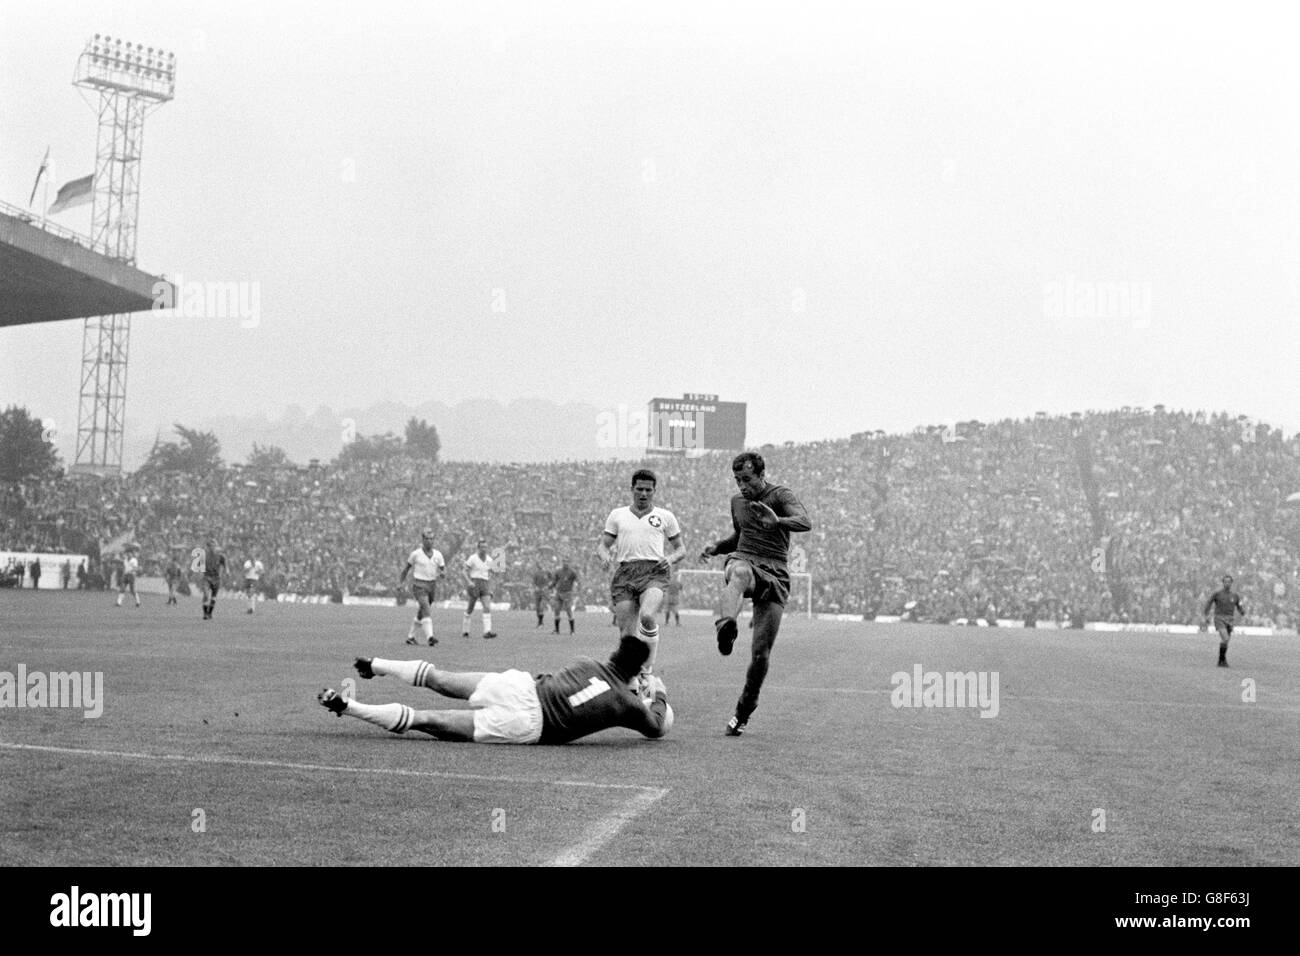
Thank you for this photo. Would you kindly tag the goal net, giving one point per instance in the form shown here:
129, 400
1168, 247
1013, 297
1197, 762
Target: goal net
702, 591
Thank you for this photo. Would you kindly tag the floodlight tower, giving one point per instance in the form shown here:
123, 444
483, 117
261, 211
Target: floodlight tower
132, 81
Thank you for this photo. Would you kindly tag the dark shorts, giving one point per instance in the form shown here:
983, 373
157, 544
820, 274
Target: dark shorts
1223, 626
250, 584
671, 599
211, 585
423, 587
563, 602
479, 590
634, 578
128, 581
771, 579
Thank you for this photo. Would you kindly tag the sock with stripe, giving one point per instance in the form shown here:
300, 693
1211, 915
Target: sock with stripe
394, 717
411, 672
651, 639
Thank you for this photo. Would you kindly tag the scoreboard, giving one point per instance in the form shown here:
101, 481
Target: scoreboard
695, 423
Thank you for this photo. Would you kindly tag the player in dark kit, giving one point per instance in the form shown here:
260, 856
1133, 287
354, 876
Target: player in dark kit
762, 518
566, 579
1226, 604
210, 563
541, 587
515, 707
173, 577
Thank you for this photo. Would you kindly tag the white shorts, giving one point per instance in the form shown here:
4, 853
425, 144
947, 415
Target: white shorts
506, 709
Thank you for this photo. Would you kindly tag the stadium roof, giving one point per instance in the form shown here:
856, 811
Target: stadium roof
48, 273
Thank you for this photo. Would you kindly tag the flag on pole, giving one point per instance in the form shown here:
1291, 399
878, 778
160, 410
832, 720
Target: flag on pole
45, 165
76, 193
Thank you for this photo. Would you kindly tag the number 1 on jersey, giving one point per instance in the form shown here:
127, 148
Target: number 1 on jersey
595, 688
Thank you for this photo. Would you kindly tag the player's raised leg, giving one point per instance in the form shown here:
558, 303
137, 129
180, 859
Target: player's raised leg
738, 580
458, 684
398, 718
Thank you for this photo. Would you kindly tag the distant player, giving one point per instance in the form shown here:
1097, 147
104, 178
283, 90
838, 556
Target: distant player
209, 562
672, 597
478, 588
541, 588
425, 565
130, 568
173, 576
514, 707
565, 580
1227, 604
253, 571
762, 518
633, 540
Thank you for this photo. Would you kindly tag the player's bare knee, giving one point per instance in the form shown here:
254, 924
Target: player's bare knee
647, 622
740, 574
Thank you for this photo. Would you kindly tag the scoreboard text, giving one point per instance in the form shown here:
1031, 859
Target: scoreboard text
696, 422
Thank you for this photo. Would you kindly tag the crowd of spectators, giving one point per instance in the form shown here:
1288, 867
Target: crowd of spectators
1129, 515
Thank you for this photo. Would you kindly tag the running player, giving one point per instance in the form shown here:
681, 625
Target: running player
211, 563
425, 565
173, 577
478, 588
634, 540
1226, 604
514, 707
130, 568
253, 571
566, 579
541, 586
762, 518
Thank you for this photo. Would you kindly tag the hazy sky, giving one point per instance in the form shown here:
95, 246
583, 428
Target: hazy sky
849, 217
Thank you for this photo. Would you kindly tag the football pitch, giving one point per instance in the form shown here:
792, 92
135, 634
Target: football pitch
1105, 749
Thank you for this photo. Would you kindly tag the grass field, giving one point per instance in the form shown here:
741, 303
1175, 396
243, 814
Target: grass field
222, 717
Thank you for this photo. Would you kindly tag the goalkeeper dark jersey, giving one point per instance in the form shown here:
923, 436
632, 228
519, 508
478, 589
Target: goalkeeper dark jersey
588, 696
750, 538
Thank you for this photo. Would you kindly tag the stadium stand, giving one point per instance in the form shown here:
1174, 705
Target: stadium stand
1124, 516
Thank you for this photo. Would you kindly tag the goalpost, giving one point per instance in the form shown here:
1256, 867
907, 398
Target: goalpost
702, 589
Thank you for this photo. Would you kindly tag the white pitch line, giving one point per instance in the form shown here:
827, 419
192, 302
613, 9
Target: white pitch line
654, 792
608, 826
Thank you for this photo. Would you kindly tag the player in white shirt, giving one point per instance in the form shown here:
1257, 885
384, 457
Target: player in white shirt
634, 540
130, 568
425, 565
253, 571
478, 587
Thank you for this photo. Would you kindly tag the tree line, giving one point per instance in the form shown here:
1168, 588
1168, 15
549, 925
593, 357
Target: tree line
27, 452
